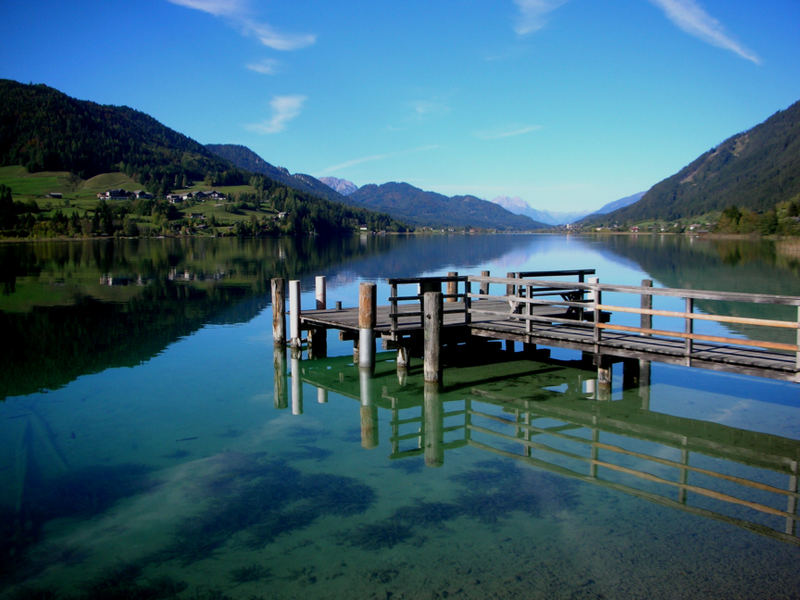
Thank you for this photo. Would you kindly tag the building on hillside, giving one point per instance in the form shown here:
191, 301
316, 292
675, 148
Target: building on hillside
115, 194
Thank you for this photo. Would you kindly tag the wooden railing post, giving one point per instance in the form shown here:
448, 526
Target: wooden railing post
689, 330
510, 287
529, 311
467, 301
452, 287
797, 359
647, 304
595, 299
484, 289
393, 309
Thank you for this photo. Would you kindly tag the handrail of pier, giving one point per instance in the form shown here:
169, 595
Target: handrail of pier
586, 298
428, 284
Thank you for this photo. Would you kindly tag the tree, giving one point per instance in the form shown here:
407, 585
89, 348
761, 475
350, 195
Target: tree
8, 213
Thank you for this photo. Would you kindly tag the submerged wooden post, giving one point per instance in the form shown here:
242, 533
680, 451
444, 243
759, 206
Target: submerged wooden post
369, 410
367, 317
630, 373
280, 395
294, 313
317, 342
278, 288
644, 383
297, 384
604, 368
432, 309
320, 292
403, 358
433, 426
452, 287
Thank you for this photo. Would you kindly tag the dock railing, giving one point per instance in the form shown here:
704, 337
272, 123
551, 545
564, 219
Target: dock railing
580, 304
536, 300
410, 305
688, 317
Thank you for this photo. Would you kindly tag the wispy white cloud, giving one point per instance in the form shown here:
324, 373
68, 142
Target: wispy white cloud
275, 39
497, 134
268, 66
375, 157
429, 107
284, 109
239, 13
689, 16
533, 14
218, 8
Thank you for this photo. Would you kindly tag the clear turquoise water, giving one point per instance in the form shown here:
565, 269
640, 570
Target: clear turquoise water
174, 475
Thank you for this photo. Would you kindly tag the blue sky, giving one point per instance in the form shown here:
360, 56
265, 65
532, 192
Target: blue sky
568, 104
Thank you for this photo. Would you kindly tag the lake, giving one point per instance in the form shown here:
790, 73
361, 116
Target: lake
154, 445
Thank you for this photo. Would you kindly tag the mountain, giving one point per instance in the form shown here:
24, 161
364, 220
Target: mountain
244, 158
44, 129
621, 203
417, 207
518, 206
344, 187
754, 170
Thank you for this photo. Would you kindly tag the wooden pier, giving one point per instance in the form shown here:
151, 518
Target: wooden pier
562, 309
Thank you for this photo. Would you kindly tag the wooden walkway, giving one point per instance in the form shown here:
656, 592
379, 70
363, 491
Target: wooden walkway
571, 314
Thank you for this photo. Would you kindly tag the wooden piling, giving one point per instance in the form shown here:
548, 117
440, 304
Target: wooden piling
432, 308
278, 288
367, 317
294, 313
320, 292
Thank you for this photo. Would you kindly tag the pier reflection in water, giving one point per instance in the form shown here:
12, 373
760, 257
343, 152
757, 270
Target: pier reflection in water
546, 414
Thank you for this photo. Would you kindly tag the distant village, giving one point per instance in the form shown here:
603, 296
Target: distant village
200, 196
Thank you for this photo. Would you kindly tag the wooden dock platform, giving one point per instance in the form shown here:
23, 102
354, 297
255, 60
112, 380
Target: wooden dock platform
570, 314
